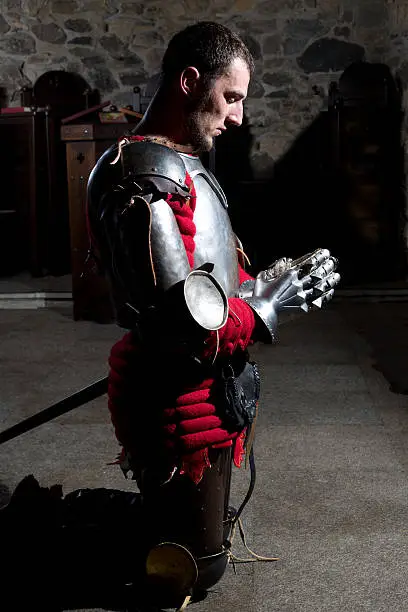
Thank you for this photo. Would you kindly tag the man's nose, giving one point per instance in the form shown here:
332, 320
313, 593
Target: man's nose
236, 114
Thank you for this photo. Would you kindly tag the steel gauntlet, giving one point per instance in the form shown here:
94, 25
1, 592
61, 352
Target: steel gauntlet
289, 286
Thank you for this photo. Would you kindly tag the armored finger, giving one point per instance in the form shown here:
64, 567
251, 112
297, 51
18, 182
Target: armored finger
311, 261
319, 256
327, 283
323, 299
325, 269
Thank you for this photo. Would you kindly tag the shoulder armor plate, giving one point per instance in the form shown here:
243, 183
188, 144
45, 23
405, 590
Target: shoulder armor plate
150, 159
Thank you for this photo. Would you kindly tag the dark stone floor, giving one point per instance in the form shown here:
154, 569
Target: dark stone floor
331, 499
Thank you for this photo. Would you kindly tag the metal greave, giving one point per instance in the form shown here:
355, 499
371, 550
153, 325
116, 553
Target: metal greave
194, 515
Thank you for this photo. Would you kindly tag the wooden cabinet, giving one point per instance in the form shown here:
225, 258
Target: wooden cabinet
85, 143
34, 231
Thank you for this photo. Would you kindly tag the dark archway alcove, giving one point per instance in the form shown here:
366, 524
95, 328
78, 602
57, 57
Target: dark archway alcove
340, 185
367, 158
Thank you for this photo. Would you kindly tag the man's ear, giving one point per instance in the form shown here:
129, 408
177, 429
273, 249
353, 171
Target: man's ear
189, 81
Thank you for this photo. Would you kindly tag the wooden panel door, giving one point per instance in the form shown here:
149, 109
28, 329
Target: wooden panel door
90, 290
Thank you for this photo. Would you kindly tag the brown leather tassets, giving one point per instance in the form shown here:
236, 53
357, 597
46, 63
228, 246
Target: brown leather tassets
195, 516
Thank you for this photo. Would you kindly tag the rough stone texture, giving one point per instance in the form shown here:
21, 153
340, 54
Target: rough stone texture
4, 26
10, 76
253, 45
372, 15
305, 29
298, 45
256, 89
342, 31
272, 44
103, 79
18, 43
12, 5
81, 40
65, 7
112, 44
277, 79
50, 33
132, 79
78, 25
348, 16
133, 8
329, 54
88, 57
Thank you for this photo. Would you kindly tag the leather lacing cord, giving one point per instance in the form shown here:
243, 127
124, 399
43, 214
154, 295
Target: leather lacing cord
121, 143
217, 347
237, 521
185, 604
139, 197
244, 255
235, 315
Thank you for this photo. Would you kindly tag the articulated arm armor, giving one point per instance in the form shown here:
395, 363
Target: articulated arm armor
291, 285
140, 242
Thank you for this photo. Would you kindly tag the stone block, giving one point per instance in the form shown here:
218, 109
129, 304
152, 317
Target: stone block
103, 79
78, 25
253, 45
67, 7
272, 44
330, 55
256, 89
277, 79
373, 15
4, 26
305, 29
18, 43
49, 33
81, 40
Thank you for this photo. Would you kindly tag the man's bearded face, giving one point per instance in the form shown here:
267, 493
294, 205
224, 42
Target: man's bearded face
218, 107
197, 123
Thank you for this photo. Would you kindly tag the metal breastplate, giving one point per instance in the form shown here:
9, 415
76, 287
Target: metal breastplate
215, 241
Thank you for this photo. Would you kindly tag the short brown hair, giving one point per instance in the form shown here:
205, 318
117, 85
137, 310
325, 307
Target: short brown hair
210, 47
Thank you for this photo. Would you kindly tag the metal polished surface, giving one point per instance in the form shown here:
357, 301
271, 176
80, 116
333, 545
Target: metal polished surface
121, 194
205, 300
215, 241
152, 159
168, 253
308, 282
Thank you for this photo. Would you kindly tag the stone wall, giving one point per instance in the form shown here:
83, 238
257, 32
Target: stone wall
299, 47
